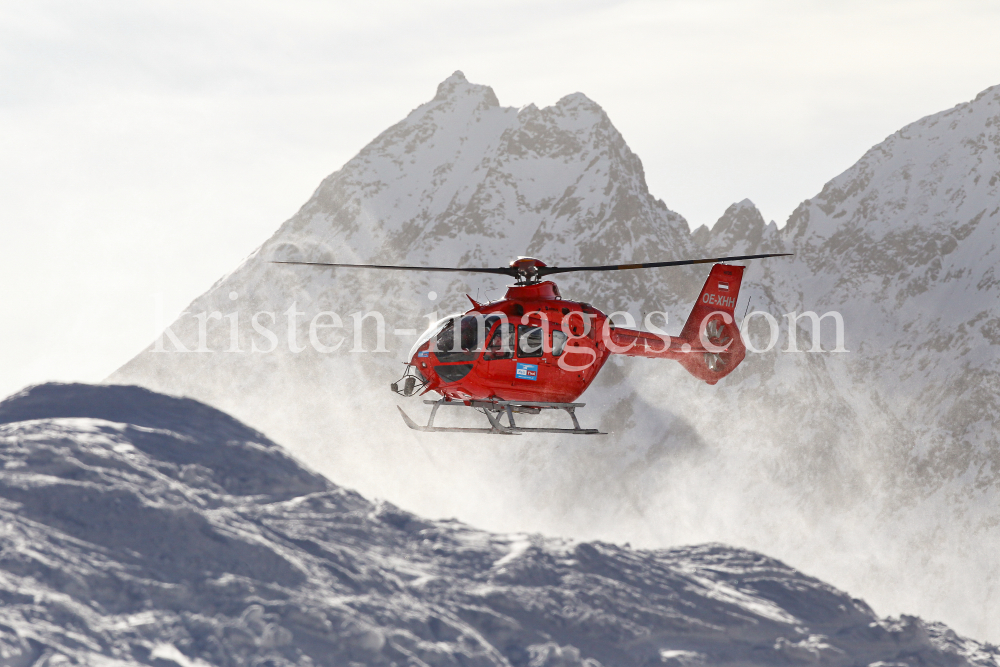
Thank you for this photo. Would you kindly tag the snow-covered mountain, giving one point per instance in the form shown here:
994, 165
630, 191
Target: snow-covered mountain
151, 530
804, 455
461, 180
903, 245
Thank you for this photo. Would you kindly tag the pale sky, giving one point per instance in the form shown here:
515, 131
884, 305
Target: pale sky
146, 148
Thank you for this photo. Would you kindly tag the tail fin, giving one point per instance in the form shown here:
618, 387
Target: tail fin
711, 330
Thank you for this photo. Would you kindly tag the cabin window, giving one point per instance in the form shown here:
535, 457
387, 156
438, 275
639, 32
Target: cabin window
501, 345
558, 342
530, 340
465, 343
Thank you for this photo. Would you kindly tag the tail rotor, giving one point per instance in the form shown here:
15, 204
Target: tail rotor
711, 334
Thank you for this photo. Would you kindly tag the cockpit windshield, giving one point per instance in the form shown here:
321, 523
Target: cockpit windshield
470, 336
458, 338
431, 332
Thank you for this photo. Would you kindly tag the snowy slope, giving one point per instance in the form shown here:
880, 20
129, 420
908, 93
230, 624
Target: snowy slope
904, 243
146, 529
806, 456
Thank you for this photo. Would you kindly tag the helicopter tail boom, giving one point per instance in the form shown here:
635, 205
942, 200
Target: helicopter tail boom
709, 345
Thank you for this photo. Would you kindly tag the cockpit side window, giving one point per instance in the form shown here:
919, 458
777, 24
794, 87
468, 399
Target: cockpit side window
463, 339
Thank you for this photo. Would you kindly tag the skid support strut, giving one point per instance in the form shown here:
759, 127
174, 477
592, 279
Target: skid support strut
493, 411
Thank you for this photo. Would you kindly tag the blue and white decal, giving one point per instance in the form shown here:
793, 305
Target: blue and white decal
425, 353
526, 372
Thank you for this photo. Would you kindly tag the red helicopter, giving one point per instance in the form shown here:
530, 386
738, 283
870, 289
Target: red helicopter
534, 350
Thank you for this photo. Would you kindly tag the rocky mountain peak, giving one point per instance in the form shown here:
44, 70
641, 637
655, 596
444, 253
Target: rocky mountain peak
575, 106
932, 175
992, 91
740, 230
457, 86
462, 170
579, 102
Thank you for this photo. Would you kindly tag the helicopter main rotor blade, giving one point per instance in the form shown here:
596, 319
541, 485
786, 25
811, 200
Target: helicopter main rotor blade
549, 270
539, 271
506, 271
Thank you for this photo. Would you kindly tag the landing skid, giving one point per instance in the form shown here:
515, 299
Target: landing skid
493, 410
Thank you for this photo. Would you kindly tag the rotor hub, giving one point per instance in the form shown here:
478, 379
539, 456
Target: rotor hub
527, 269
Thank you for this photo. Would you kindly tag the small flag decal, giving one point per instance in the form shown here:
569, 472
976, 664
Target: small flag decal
724, 287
